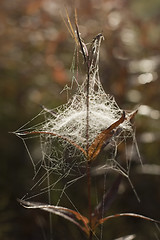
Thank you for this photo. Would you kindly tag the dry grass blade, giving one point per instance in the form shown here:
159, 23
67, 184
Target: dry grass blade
127, 215
81, 44
94, 52
69, 26
132, 114
101, 139
71, 215
77, 39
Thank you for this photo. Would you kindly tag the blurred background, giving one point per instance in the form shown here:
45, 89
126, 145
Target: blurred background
35, 62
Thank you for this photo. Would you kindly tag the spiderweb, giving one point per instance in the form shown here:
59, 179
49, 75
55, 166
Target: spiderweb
62, 133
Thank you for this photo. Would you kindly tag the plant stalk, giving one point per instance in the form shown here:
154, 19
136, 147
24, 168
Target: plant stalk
87, 61
87, 148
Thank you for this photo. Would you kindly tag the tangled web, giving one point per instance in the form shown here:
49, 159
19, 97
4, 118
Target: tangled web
63, 132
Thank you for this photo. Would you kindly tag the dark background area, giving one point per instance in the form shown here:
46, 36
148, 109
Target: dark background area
35, 60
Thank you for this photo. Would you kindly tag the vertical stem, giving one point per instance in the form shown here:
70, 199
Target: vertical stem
86, 59
87, 147
89, 198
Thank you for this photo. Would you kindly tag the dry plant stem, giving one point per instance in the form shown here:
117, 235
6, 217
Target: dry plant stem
87, 148
86, 59
89, 198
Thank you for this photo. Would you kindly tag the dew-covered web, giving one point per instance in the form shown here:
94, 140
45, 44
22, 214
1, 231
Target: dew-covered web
62, 135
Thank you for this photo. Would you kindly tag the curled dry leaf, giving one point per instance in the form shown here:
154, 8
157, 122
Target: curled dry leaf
81, 221
97, 144
82, 45
69, 214
102, 220
94, 53
101, 139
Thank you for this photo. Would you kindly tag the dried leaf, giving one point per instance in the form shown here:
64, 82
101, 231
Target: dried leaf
132, 114
71, 215
69, 26
101, 139
94, 53
97, 144
82, 45
126, 215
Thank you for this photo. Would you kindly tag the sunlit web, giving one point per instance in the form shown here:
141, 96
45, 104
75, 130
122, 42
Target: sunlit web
62, 135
